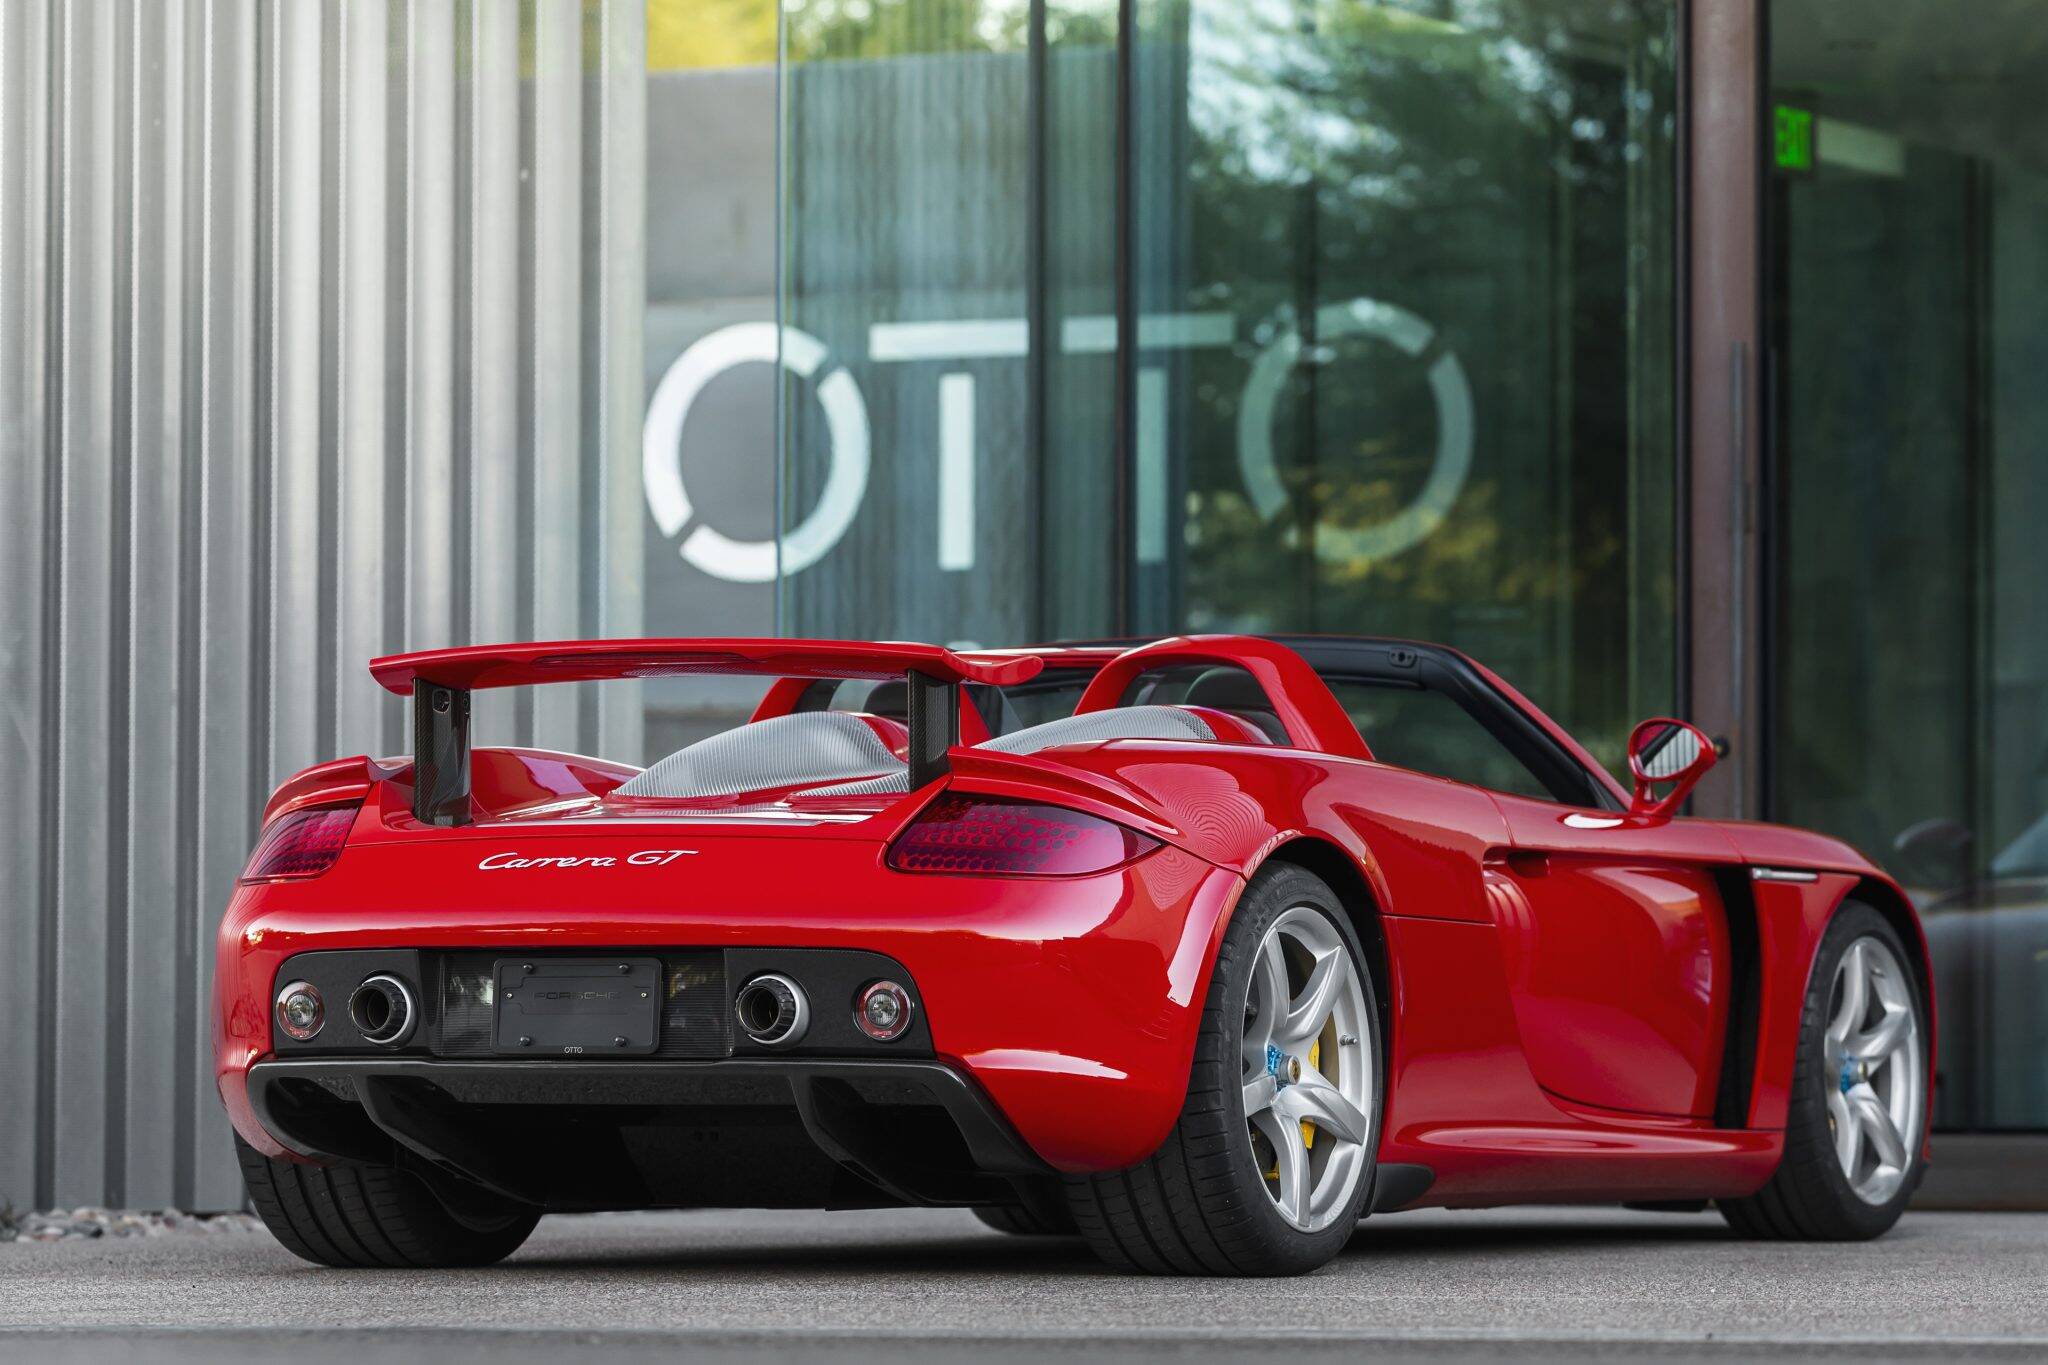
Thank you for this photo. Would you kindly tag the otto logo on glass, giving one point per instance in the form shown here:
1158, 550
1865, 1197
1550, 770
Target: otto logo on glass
944, 347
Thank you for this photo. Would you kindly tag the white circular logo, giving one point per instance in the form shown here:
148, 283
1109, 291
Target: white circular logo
1411, 336
846, 482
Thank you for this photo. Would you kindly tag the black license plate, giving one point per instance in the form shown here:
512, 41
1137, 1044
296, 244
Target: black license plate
580, 1006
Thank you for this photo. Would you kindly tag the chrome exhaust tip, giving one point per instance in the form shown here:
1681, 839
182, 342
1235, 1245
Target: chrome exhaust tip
384, 1010
772, 1010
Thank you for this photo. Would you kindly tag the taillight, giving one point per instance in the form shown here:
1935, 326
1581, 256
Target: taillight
304, 843
986, 836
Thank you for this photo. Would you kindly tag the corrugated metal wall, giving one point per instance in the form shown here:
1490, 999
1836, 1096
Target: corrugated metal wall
319, 337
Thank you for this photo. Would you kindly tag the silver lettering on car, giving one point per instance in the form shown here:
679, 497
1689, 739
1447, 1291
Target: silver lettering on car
658, 857
512, 860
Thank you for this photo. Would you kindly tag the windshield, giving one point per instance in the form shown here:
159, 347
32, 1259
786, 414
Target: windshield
2026, 856
1413, 727
1405, 724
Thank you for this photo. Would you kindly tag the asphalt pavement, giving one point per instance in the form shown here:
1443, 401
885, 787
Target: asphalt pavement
917, 1286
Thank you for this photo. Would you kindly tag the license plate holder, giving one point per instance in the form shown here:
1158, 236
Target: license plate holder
579, 1007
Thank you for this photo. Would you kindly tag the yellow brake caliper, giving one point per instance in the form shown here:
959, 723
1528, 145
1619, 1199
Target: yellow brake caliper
1308, 1130
1315, 1061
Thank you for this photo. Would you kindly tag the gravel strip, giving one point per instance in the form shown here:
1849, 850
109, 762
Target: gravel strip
76, 1225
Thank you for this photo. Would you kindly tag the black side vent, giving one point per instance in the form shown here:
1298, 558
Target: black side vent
1745, 999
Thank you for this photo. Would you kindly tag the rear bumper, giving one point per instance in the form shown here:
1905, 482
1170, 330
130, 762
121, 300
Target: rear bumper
551, 1133
1070, 1004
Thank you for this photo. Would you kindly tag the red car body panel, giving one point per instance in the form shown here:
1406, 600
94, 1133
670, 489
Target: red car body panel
1558, 984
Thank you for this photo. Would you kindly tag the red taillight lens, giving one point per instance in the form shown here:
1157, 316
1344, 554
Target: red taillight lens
304, 843
981, 835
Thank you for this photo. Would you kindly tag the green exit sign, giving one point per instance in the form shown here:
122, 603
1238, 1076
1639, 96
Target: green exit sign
1792, 138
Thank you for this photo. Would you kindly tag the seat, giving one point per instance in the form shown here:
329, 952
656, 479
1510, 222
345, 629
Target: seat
1237, 692
782, 751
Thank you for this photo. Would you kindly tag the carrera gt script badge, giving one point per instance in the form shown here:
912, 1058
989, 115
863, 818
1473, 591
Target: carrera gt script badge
646, 857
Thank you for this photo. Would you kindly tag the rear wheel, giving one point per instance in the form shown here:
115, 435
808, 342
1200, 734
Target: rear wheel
1023, 1222
377, 1216
1858, 1113
1269, 1167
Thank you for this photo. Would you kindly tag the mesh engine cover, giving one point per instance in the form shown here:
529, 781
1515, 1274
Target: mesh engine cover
1124, 722
778, 752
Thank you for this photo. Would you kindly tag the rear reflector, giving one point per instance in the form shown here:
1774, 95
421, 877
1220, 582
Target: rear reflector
977, 835
304, 843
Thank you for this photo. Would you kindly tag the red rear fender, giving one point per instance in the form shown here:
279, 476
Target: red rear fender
332, 783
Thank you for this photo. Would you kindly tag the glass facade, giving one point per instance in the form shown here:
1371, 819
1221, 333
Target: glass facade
949, 459
332, 329
708, 437
1296, 315
1908, 239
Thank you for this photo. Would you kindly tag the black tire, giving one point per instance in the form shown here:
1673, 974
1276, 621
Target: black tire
1199, 1205
1809, 1197
1022, 1222
376, 1216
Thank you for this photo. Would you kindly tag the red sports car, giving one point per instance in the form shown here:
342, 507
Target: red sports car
1202, 948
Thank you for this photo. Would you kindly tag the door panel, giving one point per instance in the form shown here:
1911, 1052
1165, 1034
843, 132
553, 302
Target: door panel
1616, 943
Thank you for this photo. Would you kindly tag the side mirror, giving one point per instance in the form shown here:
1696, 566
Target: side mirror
1934, 853
1669, 754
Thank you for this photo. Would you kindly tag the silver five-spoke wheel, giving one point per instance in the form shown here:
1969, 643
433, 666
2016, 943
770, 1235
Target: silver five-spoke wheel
1876, 1072
1308, 1082
1273, 1180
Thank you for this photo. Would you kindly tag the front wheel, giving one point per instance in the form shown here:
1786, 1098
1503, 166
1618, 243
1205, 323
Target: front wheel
1268, 1168
1858, 1113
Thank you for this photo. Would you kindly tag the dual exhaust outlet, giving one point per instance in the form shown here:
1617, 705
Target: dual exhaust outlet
771, 1009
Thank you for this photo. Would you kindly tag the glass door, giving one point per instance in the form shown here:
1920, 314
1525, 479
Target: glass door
1407, 270
1908, 239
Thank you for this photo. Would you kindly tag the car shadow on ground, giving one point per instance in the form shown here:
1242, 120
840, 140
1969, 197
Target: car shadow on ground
977, 1253
1392, 1233
970, 1253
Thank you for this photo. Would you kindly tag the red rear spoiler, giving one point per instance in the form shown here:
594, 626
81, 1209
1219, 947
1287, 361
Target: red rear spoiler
555, 661
440, 680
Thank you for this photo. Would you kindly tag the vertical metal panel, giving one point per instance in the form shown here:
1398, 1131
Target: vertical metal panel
261, 276
187, 892
24, 203
227, 799
430, 194
302, 241
150, 970
494, 343
359, 501
84, 645
621, 181
555, 161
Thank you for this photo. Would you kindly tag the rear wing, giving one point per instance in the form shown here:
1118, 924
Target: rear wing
439, 682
